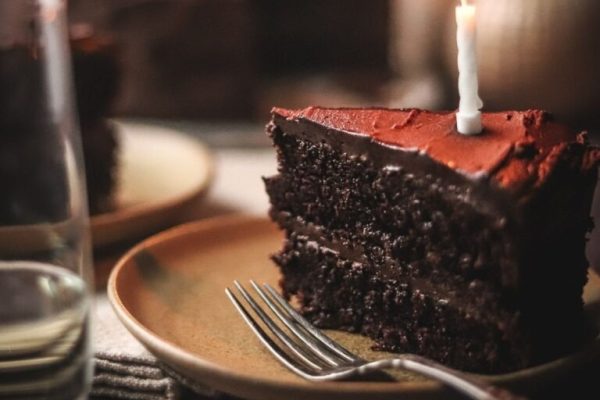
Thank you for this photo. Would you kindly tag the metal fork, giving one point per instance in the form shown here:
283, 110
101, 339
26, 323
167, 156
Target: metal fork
310, 353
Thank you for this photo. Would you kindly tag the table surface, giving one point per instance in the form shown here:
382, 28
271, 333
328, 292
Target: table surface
242, 156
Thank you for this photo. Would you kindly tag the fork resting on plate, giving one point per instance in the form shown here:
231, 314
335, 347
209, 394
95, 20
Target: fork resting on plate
310, 353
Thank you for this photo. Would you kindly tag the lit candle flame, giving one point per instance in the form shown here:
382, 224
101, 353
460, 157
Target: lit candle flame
49, 9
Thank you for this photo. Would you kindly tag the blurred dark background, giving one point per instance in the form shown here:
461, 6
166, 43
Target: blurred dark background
223, 59
234, 59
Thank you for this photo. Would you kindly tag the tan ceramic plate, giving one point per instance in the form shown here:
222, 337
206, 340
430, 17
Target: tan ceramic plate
169, 292
160, 173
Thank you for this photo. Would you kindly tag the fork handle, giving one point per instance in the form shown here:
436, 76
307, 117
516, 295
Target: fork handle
472, 387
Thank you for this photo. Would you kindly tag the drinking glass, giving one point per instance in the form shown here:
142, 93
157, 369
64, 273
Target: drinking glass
45, 285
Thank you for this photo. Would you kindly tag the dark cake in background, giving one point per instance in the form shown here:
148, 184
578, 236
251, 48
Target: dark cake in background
29, 153
468, 250
96, 74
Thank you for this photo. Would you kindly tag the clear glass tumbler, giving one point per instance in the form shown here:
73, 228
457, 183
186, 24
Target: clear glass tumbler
45, 271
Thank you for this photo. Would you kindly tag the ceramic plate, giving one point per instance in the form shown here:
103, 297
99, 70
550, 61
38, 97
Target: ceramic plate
169, 292
160, 172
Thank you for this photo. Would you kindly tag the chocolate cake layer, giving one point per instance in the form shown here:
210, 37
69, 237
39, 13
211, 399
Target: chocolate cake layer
502, 251
403, 314
516, 149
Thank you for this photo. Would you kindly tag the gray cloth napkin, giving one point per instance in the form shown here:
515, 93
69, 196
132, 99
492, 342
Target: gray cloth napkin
124, 369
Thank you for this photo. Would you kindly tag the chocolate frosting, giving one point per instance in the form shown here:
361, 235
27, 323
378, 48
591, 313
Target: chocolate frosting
517, 149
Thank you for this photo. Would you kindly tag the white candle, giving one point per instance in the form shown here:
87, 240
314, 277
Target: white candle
468, 117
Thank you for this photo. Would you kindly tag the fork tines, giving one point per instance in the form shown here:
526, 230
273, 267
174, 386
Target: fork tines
311, 354
293, 341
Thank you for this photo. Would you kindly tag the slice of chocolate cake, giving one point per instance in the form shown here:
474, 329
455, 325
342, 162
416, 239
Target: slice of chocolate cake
465, 249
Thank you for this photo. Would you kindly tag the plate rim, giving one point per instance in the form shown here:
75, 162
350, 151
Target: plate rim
99, 223
166, 350
258, 388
